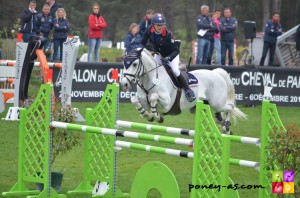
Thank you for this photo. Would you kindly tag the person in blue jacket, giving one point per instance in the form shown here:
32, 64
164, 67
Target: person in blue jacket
44, 25
164, 44
273, 29
133, 38
29, 27
228, 26
61, 28
146, 21
53, 7
206, 28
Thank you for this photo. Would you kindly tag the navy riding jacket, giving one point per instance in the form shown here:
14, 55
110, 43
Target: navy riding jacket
61, 27
132, 42
272, 31
44, 24
54, 8
227, 28
28, 22
163, 43
144, 25
206, 23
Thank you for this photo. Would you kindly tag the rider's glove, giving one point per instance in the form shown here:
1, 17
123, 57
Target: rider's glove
165, 60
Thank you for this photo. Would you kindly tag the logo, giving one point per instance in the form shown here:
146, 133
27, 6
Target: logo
283, 182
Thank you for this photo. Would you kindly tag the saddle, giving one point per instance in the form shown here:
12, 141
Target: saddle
191, 79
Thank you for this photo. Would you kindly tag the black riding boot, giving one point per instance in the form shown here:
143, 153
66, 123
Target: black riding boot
189, 94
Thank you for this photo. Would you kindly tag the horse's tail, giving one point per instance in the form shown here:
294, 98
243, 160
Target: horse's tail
236, 112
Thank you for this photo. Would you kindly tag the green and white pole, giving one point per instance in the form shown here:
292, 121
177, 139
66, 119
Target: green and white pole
154, 149
179, 131
150, 137
128, 134
154, 128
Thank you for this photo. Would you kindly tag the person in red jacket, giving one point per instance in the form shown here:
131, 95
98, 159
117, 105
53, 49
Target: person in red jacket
97, 24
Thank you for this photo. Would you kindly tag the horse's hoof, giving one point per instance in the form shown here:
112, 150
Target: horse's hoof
161, 119
151, 119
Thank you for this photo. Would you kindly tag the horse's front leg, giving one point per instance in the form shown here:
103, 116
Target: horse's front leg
153, 104
143, 113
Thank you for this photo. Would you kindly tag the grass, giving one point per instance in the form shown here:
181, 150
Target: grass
129, 161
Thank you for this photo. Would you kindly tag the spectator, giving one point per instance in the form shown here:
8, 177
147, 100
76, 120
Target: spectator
29, 27
273, 29
228, 27
97, 24
298, 44
146, 22
53, 7
206, 28
44, 25
61, 28
168, 51
133, 38
215, 42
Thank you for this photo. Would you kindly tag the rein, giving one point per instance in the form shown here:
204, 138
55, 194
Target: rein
140, 72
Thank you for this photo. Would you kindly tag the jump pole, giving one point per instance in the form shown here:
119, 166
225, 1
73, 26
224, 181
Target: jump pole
12, 63
205, 129
179, 131
149, 137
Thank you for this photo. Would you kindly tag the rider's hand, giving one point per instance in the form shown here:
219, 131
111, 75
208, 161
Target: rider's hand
165, 60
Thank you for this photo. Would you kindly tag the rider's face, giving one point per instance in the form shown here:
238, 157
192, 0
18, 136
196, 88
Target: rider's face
158, 28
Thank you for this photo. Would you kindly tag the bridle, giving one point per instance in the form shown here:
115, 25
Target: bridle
140, 72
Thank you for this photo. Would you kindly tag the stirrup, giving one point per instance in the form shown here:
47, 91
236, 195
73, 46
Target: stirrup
190, 95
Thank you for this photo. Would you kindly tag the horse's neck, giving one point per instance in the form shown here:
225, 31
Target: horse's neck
154, 71
150, 64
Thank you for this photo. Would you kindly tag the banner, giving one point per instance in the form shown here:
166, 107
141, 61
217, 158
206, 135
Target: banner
90, 80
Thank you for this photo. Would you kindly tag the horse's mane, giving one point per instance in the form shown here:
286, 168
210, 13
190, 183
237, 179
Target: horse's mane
147, 52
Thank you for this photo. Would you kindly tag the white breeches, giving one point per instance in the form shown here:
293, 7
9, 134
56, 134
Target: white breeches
174, 64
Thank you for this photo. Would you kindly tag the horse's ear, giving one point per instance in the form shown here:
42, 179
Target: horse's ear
139, 50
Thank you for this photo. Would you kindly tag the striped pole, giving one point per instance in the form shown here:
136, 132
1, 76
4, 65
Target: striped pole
129, 134
150, 137
245, 163
244, 140
7, 80
154, 149
179, 131
157, 128
12, 63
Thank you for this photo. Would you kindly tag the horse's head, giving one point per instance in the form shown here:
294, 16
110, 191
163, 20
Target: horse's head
133, 68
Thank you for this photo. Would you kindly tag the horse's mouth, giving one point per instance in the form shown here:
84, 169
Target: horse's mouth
126, 86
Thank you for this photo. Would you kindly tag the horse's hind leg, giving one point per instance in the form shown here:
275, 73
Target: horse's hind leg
141, 109
226, 123
219, 118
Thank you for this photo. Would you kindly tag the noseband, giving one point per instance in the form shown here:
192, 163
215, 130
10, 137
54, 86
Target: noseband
140, 68
140, 71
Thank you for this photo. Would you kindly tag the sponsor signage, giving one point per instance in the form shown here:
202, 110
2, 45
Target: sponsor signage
90, 80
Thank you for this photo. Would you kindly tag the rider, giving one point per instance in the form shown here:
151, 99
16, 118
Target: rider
163, 43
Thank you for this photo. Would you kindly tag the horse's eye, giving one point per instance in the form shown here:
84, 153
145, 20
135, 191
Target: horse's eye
134, 64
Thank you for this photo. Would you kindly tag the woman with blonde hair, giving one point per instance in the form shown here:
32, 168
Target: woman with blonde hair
96, 25
61, 27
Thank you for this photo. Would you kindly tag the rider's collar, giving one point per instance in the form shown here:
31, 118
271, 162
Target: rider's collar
163, 33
